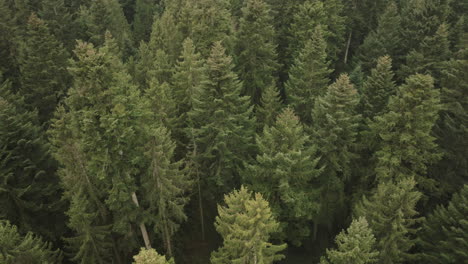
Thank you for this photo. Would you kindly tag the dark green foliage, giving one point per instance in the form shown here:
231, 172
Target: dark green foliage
391, 213
60, 22
255, 49
378, 88
29, 191
30, 248
145, 11
308, 77
270, 106
42, 62
444, 236
407, 146
246, 224
223, 124
334, 132
356, 245
286, 172
8, 64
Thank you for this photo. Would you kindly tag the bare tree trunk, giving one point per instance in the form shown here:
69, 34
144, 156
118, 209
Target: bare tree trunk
200, 201
347, 47
144, 233
315, 230
168, 240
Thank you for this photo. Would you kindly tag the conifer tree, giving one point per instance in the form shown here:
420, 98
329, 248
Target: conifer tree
270, 106
255, 49
60, 21
334, 132
150, 256
30, 248
167, 35
145, 11
308, 77
223, 125
43, 62
29, 190
406, 144
378, 88
285, 172
445, 232
391, 213
246, 224
355, 245
384, 40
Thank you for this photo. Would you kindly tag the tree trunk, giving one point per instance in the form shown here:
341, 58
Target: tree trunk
347, 47
200, 201
144, 233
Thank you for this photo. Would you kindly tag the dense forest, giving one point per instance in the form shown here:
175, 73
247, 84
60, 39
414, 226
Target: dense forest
234, 131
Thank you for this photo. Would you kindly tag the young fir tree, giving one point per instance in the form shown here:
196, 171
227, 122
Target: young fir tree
444, 236
377, 89
43, 62
391, 213
308, 77
384, 40
150, 256
285, 172
334, 132
246, 224
29, 248
223, 125
356, 245
270, 106
255, 49
98, 140
310, 14
406, 144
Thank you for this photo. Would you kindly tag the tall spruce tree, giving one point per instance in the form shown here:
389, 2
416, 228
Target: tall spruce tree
334, 132
406, 145
270, 106
444, 236
391, 213
308, 77
355, 245
61, 22
285, 172
223, 125
24, 249
255, 49
246, 224
43, 62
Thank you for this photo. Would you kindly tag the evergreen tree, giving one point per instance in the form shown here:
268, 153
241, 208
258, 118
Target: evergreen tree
356, 245
24, 249
43, 62
384, 40
223, 125
166, 34
60, 21
245, 224
150, 256
145, 11
29, 190
8, 63
308, 77
270, 106
406, 144
445, 232
391, 215
378, 88
285, 172
255, 49
334, 132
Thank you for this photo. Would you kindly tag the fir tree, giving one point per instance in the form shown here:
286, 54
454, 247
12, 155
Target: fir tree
270, 106
445, 232
60, 21
144, 16
24, 249
29, 190
285, 172
166, 34
334, 132
356, 245
255, 49
43, 63
245, 224
150, 256
391, 213
223, 124
308, 77
406, 144
378, 88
